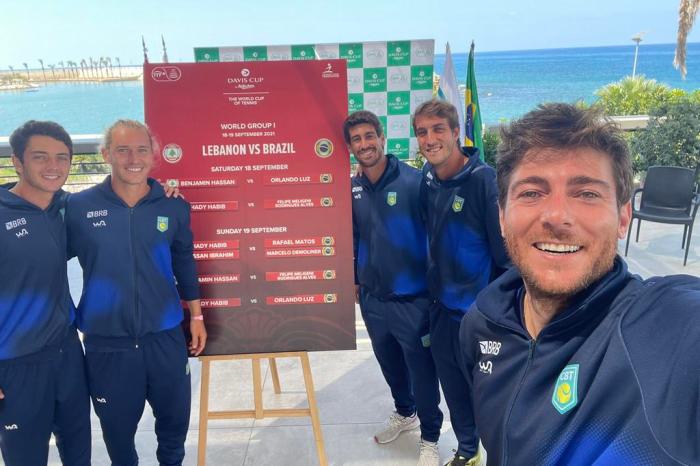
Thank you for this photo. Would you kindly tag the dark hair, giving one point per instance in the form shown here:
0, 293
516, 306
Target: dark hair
563, 126
125, 123
437, 108
361, 117
20, 136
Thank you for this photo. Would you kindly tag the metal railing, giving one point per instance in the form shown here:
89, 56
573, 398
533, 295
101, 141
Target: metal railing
87, 168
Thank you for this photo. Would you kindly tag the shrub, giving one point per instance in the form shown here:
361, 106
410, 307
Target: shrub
491, 138
672, 136
636, 96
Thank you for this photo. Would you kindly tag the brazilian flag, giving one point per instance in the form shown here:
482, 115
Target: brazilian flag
472, 117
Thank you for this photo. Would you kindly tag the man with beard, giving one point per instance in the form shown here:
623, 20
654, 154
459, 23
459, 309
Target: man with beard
459, 198
570, 358
43, 388
390, 263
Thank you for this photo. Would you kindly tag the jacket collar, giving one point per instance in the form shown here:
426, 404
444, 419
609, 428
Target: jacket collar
471, 153
155, 192
13, 201
391, 172
498, 302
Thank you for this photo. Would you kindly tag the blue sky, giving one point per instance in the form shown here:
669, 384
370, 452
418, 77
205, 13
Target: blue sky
72, 29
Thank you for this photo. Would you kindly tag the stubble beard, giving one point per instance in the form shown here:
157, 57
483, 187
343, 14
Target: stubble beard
603, 264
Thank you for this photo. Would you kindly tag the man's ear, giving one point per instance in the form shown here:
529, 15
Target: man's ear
17, 163
625, 219
501, 215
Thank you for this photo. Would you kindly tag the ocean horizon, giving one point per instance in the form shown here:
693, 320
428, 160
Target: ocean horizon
510, 83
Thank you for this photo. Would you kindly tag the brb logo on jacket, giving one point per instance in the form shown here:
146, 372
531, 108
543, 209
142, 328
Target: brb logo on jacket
565, 395
95, 216
356, 192
162, 224
490, 347
17, 223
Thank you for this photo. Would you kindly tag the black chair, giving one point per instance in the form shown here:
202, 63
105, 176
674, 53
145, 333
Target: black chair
669, 195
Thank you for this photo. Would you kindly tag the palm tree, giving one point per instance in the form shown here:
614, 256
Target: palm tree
26, 67
108, 62
53, 75
63, 68
43, 71
119, 65
687, 11
83, 65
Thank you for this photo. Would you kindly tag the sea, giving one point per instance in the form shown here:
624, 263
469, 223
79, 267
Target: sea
509, 84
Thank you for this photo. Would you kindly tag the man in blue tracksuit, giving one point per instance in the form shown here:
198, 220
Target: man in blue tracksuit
570, 358
459, 199
43, 388
131, 242
390, 263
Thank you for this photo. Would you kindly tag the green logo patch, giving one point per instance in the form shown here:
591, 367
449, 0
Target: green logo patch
457, 203
206, 54
565, 395
255, 53
398, 53
162, 224
421, 77
352, 53
398, 147
375, 79
425, 340
398, 103
355, 102
303, 52
391, 198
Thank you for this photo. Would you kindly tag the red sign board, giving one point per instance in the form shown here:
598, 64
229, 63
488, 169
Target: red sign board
257, 149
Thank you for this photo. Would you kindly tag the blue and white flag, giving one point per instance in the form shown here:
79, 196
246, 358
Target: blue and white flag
449, 90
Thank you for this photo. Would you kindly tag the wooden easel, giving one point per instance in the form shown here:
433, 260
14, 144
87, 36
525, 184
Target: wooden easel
259, 412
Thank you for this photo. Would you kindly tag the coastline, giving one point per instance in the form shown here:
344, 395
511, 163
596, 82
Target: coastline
32, 79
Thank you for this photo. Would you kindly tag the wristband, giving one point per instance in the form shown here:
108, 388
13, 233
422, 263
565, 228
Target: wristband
199, 317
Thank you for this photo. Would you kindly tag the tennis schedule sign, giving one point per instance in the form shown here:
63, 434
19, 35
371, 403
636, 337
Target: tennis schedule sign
270, 196
389, 78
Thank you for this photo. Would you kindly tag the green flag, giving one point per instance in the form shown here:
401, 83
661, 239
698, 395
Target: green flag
472, 117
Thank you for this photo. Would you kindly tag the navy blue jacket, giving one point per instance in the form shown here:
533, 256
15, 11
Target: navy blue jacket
129, 257
614, 379
35, 305
389, 236
466, 247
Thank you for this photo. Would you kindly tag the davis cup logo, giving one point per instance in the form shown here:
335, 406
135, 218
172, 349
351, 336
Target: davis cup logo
245, 72
166, 73
172, 153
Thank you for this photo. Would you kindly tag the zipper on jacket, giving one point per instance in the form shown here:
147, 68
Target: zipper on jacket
530, 356
137, 327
